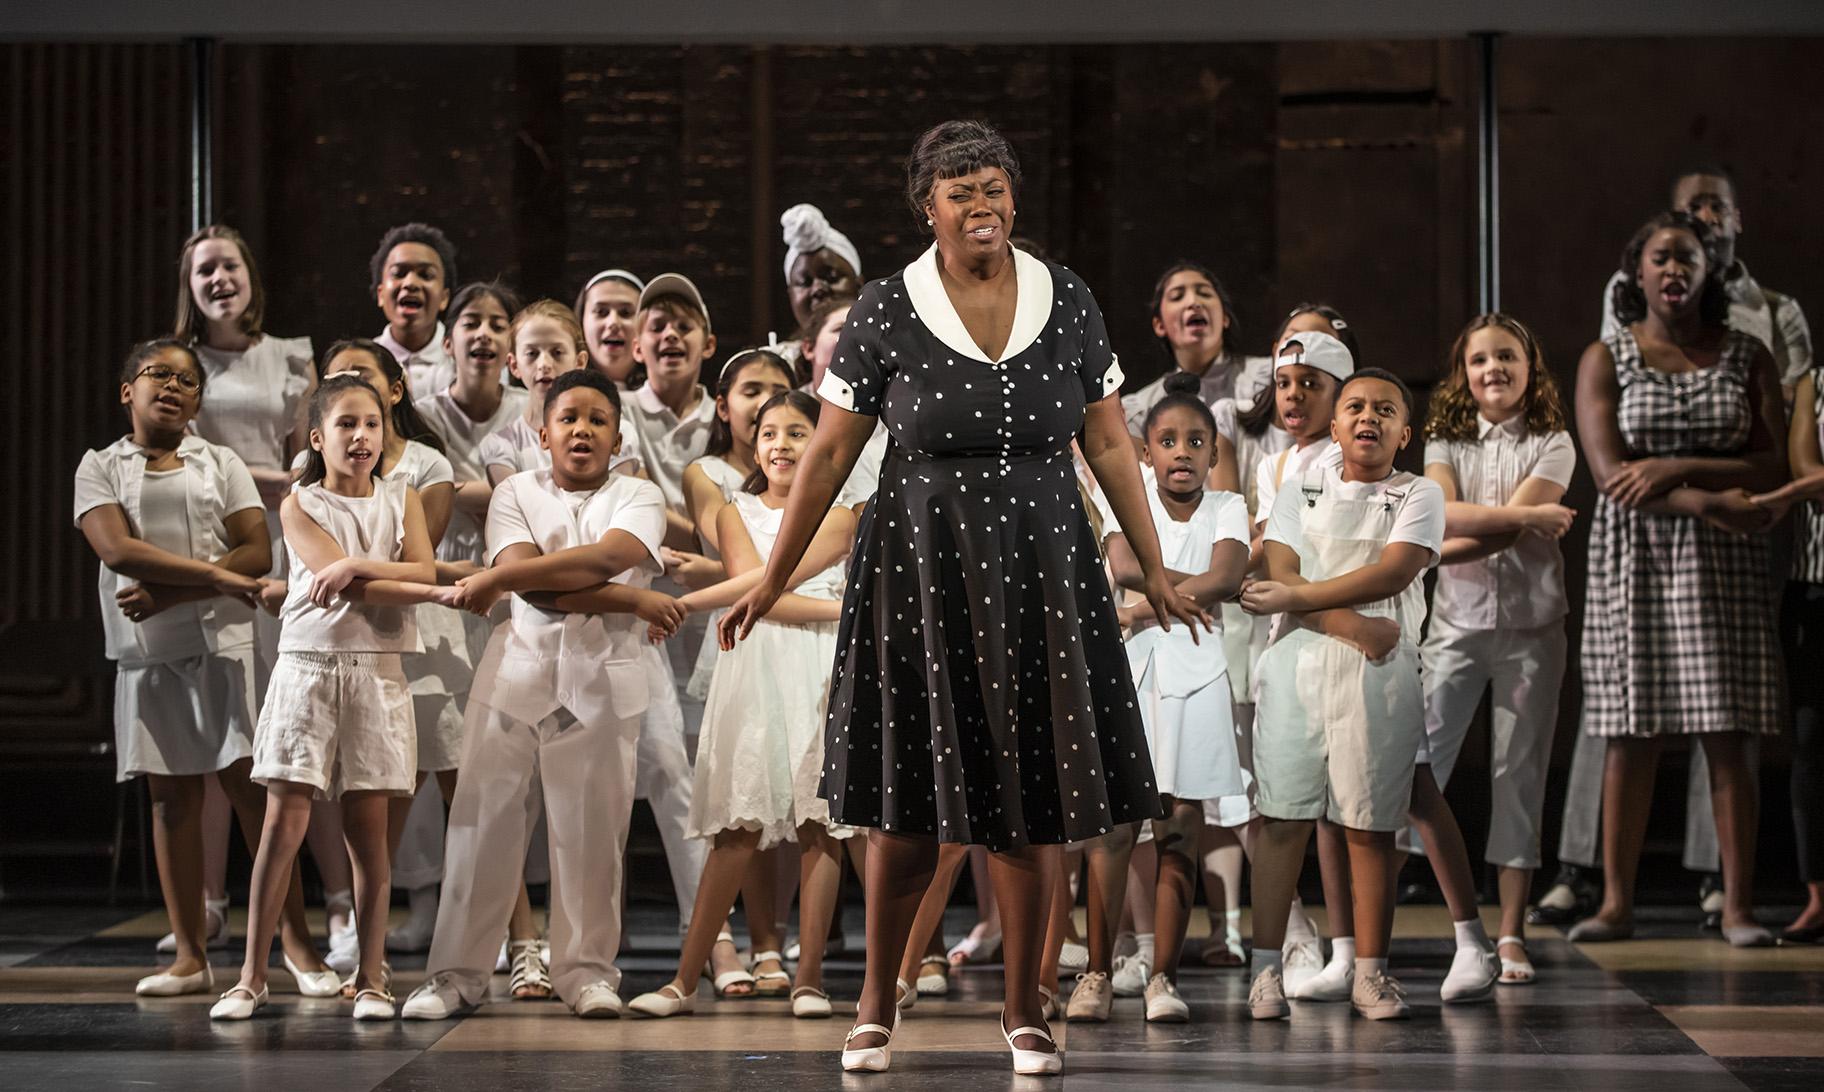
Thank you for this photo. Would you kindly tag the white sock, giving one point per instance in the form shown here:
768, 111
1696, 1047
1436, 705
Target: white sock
1231, 925
1342, 951
1470, 934
1144, 942
1365, 968
1264, 959
1298, 924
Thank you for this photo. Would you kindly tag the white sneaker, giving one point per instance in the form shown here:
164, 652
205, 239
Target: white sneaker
437, 999
1380, 997
598, 1001
1472, 976
1267, 996
215, 915
1302, 960
1073, 958
1333, 983
1163, 1005
1131, 973
344, 950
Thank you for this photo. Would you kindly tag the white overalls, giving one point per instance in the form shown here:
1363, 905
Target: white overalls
1336, 734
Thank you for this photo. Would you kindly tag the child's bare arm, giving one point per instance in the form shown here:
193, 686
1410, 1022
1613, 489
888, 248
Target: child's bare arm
831, 543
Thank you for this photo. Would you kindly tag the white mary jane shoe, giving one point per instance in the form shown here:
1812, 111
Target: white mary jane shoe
1032, 1063
176, 985
372, 1004
810, 1003
869, 1059
667, 1000
239, 1003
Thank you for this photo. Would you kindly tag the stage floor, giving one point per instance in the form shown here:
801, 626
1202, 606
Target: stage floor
1669, 1012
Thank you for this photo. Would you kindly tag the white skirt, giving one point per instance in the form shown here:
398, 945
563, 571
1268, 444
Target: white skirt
440, 678
191, 716
705, 670
1185, 706
760, 755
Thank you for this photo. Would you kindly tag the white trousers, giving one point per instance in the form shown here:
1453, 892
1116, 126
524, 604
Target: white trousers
587, 772
1524, 670
663, 779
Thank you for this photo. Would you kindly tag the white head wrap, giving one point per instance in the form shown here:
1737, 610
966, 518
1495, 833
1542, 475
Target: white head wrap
806, 230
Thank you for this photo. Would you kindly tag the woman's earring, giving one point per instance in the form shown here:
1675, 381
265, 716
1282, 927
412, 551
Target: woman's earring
930, 222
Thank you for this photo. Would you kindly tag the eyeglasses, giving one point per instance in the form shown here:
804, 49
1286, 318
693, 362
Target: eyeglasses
162, 374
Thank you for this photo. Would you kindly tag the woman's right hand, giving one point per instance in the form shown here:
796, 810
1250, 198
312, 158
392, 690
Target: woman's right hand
739, 620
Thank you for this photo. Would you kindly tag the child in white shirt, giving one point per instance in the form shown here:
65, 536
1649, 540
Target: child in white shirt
1341, 710
557, 700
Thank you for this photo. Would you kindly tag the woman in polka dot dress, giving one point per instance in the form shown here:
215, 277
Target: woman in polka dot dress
980, 693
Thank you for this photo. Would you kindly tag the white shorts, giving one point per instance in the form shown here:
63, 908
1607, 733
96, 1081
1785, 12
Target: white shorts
338, 722
1335, 734
185, 717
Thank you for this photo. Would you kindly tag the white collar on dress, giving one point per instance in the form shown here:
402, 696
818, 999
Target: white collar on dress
431, 353
925, 288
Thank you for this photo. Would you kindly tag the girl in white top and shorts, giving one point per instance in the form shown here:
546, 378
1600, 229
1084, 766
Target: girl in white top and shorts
337, 722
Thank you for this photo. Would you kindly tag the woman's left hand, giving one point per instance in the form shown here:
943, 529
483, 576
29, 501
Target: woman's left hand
1168, 603
1639, 481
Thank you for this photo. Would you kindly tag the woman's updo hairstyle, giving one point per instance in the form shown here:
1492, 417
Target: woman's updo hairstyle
953, 149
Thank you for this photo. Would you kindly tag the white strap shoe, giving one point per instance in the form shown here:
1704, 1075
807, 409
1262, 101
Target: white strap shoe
667, 1000
873, 1059
1032, 1063
323, 983
239, 1003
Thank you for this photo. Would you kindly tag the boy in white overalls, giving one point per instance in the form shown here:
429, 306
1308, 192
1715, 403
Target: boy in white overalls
1340, 708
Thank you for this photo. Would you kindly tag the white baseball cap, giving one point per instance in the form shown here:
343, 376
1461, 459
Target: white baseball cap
674, 284
1315, 349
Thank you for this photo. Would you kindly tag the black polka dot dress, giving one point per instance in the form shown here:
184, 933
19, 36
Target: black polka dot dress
980, 693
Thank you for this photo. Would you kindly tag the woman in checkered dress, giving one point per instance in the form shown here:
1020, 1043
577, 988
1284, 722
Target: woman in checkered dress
1680, 417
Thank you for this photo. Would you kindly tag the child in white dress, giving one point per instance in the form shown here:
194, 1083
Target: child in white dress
338, 715
178, 523
1181, 677
761, 754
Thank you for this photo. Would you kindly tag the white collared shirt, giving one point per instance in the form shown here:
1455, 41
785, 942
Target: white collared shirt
539, 661
427, 370
516, 447
217, 484
1522, 587
664, 442
1771, 318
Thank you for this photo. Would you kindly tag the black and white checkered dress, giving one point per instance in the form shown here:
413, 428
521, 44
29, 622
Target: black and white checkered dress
1679, 634
1808, 518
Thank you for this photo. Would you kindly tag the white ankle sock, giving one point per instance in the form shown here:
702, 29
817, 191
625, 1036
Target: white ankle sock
1367, 967
1144, 942
1470, 934
1263, 959
1342, 951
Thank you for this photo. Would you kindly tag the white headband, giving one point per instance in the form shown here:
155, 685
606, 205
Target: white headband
806, 230
615, 275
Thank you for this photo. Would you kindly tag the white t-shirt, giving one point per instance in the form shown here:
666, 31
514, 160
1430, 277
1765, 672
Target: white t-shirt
462, 435
1522, 587
1418, 519
183, 512
1270, 475
539, 660
254, 399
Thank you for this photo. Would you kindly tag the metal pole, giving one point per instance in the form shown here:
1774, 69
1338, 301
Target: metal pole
1488, 182
202, 133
